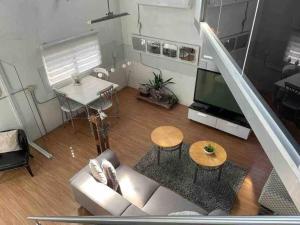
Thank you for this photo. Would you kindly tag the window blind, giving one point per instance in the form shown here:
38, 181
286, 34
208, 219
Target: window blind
293, 48
71, 58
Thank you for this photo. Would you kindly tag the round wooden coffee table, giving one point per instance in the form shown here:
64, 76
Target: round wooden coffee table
203, 160
167, 138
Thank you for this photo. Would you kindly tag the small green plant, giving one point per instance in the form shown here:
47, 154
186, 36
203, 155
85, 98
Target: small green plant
209, 148
158, 82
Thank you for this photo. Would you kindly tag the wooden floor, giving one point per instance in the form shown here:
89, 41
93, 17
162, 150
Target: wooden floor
48, 193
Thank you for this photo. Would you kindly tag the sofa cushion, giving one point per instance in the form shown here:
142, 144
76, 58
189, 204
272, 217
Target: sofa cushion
132, 210
111, 174
164, 201
97, 171
135, 187
9, 141
92, 195
185, 213
218, 212
110, 156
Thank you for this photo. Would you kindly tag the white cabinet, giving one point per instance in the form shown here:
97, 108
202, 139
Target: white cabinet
202, 118
220, 124
233, 128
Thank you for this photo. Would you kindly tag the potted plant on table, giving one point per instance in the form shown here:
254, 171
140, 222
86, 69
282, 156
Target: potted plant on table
209, 149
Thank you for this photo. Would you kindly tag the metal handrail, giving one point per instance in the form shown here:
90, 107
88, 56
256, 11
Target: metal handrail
170, 220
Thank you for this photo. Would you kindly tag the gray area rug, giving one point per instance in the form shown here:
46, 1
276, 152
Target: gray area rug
178, 175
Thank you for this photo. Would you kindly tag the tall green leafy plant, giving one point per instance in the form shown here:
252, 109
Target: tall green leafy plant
158, 82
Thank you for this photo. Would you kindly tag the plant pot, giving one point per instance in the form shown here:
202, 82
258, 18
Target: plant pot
144, 91
208, 153
158, 95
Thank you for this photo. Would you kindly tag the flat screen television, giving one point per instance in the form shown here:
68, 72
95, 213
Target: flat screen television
212, 90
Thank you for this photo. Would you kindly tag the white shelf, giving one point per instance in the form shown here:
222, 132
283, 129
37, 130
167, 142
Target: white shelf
161, 55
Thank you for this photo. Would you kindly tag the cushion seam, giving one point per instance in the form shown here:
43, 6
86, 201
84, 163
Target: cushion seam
126, 208
152, 195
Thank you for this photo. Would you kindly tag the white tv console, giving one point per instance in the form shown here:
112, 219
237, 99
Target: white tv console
231, 126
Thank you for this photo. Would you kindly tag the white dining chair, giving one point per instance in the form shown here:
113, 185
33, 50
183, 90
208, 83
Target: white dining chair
68, 107
105, 100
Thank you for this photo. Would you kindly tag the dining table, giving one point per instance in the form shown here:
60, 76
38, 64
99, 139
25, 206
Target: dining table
294, 79
279, 87
88, 90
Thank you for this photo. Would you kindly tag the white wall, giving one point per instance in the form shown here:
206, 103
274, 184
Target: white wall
165, 23
27, 24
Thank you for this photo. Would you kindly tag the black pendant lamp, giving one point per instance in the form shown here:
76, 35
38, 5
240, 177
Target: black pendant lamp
109, 15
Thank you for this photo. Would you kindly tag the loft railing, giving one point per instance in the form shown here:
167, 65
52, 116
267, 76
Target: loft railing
266, 126
171, 220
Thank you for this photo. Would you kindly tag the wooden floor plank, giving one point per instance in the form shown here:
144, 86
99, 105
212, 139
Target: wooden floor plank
49, 193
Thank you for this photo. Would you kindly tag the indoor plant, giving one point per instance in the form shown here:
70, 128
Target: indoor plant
158, 86
209, 149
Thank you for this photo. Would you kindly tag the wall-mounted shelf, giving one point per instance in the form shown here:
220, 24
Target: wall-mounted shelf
176, 51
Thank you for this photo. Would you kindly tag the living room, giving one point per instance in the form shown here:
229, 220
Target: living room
159, 108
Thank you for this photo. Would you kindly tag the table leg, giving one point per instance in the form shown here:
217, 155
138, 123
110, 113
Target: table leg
196, 174
98, 149
117, 104
180, 150
88, 115
220, 173
158, 155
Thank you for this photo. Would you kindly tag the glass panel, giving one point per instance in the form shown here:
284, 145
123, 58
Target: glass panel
170, 50
232, 21
229, 43
153, 47
187, 54
139, 44
242, 41
272, 63
212, 14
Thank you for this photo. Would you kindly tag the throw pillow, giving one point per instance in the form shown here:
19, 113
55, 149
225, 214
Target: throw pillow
111, 174
97, 172
9, 141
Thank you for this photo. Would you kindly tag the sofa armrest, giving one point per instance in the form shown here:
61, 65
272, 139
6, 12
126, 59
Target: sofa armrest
218, 212
95, 196
110, 156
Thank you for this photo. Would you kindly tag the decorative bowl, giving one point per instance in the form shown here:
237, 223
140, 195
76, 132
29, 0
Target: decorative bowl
209, 150
208, 153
